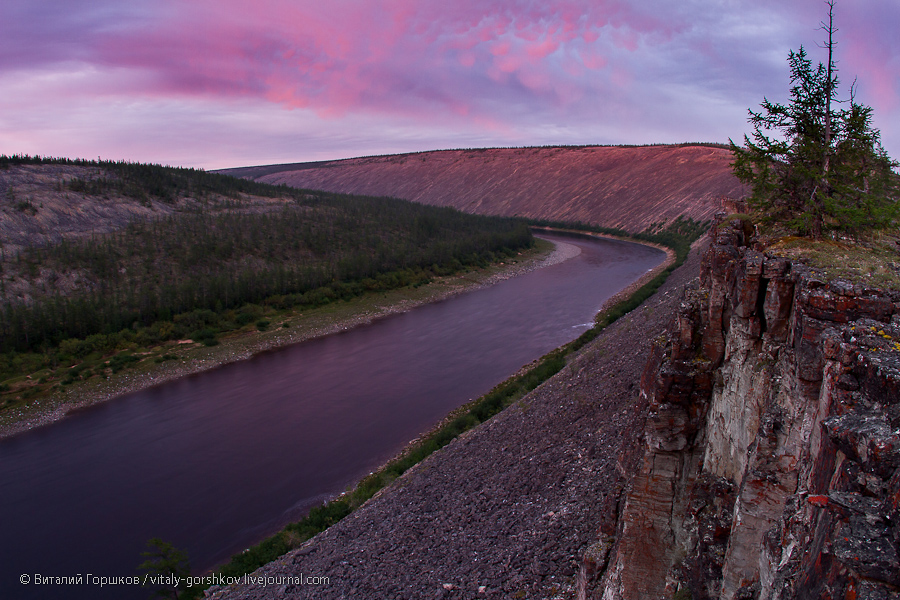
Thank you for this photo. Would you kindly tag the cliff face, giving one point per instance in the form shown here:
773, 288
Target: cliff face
629, 188
772, 445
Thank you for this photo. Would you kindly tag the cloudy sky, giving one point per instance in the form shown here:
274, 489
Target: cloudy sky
222, 83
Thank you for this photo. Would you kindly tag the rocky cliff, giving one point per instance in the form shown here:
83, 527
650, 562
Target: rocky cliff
625, 187
772, 443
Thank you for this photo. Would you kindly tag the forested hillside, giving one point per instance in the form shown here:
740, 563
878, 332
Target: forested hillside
214, 258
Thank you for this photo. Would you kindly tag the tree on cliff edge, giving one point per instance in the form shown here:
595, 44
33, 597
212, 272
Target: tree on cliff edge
825, 168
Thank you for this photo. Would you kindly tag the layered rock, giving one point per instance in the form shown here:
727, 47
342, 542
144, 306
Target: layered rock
772, 444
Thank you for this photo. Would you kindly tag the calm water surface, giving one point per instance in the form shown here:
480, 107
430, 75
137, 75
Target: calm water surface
215, 461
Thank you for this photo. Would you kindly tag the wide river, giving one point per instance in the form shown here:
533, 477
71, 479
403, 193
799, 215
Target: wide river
214, 462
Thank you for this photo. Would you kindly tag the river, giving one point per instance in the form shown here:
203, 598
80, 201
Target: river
215, 461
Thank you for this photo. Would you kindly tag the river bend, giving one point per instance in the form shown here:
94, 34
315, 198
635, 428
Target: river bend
215, 461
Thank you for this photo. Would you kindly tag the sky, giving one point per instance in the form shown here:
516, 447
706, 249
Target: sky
227, 83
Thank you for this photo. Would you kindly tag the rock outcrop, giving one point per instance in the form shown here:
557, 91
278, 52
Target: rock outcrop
772, 443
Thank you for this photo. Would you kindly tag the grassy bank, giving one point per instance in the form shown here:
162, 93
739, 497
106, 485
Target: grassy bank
681, 234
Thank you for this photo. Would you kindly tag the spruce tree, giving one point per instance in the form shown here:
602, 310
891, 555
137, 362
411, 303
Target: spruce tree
824, 168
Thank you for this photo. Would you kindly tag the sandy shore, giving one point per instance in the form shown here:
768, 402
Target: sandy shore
312, 324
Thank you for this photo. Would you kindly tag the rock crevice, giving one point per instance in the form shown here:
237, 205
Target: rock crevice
770, 467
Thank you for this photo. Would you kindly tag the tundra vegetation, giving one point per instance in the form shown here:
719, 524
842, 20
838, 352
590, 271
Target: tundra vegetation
91, 306
823, 190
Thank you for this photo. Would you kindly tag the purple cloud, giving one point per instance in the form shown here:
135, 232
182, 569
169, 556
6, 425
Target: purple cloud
431, 73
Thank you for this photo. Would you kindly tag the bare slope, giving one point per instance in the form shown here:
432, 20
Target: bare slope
509, 509
36, 206
626, 187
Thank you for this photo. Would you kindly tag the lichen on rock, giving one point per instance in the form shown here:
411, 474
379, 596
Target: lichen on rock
800, 430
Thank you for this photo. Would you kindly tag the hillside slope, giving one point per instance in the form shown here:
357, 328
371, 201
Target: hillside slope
625, 187
37, 207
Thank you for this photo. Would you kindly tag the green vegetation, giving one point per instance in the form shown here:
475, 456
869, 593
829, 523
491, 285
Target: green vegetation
178, 275
824, 170
824, 191
677, 234
874, 261
146, 181
680, 232
92, 306
165, 565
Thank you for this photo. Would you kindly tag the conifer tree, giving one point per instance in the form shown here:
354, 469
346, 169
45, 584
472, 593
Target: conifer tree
166, 567
824, 168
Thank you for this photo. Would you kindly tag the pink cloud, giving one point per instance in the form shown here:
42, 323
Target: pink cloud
336, 56
467, 59
545, 48
500, 48
592, 60
626, 38
872, 53
536, 80
503, 62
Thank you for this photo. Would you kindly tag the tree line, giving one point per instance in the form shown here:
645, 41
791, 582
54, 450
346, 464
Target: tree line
144, 181
191, 273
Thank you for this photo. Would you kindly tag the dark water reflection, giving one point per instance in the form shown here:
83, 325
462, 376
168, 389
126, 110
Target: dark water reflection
217, 460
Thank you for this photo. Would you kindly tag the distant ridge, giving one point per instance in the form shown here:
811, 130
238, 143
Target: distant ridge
630, 187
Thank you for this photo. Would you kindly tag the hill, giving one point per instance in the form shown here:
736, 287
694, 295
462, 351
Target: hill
626, 187
100, 263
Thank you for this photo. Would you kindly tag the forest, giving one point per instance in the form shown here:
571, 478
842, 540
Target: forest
213, 267
141, 181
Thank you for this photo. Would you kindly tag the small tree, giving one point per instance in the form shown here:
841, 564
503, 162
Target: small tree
166, 565
825, 169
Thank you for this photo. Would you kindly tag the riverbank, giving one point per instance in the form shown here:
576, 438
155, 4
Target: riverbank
508, 509
455, 425
186, 358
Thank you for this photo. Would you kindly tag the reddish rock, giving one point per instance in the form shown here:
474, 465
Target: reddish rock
798, 411
777, 308
808, 348
746, 285
821, 304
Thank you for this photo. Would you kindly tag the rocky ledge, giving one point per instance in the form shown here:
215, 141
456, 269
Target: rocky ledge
772, 447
